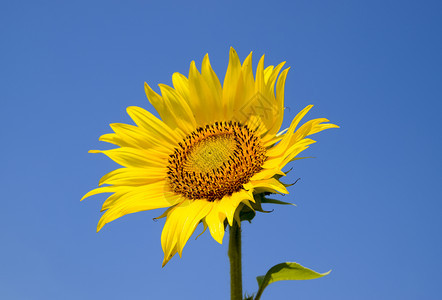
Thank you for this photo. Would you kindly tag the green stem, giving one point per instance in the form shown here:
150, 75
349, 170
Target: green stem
258, 295
235, 262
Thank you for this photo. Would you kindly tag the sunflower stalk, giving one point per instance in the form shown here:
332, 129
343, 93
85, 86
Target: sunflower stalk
235, 261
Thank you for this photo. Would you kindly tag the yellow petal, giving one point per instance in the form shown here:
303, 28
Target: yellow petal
135, 158
295, 150
199, 209
114, 139
106, 189
138, 199
280, 87
181, 85
159, 105
249, 81
165, 108
178, 108
202, 102
134, 136
155, 127
215, 222
267, 73
164, 214
279, 162
320, 127
285, 141
121, 191
229, 204
152, 189
180, 224
267, 173
213, 83
279, 115
133, 176
309, 128
204, 230
268, 185
230, 84
270, 81
260, 81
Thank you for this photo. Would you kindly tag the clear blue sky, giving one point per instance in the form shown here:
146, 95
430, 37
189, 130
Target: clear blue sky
369, 204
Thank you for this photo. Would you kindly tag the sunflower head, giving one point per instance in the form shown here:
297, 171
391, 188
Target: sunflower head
214, 150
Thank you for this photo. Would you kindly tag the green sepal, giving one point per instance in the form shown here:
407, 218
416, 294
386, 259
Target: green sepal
278, 176
286, 271
290, 184
247, 214
298, 158
259, 198
274, 201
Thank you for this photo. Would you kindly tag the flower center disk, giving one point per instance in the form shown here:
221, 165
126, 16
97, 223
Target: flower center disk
215, 161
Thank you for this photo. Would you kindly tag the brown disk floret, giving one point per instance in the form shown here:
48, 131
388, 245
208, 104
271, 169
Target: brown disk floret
215, 161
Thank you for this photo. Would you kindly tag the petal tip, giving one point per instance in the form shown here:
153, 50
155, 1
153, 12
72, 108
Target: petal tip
100, 226
129, 109
165, 261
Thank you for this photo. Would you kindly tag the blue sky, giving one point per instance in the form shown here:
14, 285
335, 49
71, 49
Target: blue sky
369, 204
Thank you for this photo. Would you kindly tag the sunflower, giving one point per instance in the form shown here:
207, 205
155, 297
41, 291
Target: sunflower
213, 150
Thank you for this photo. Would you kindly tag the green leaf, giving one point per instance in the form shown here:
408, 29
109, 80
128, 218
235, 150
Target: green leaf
286, 271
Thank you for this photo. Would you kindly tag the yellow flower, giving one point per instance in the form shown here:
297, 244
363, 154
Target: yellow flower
213, 149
